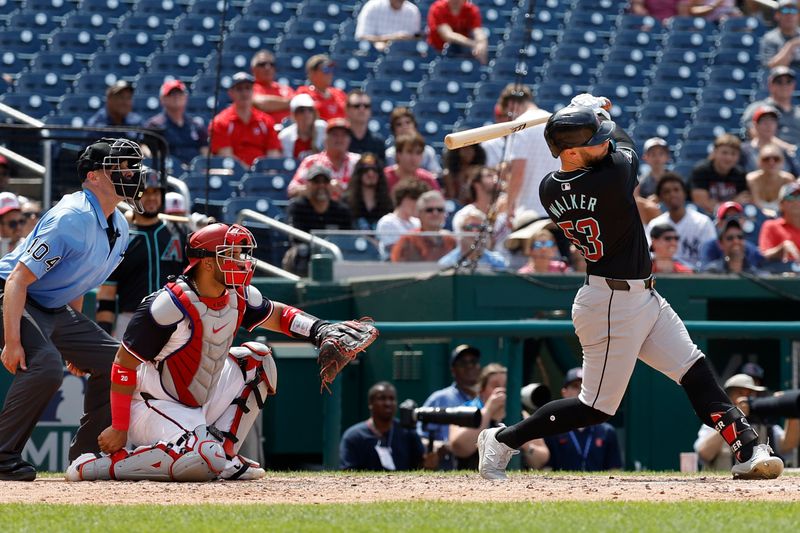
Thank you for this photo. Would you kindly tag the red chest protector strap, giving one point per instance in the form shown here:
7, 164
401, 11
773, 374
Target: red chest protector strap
184, 367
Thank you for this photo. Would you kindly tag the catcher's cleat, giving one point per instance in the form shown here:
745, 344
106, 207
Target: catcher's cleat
762, 465
241, 468
493, 455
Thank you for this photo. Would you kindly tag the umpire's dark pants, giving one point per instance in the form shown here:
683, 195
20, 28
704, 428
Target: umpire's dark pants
49, 337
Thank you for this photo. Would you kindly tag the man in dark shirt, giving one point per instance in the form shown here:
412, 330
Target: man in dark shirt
734, 257
618, 315
314, 209
719, 178
380, 442
186, 135
359, 111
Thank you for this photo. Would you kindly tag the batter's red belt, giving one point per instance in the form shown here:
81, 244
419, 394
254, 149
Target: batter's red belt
621, 284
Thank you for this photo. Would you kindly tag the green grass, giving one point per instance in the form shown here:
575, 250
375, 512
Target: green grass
418, 516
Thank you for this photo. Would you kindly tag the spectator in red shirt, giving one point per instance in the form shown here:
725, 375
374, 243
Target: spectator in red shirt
409, 161
337, 157
458, 22
664, 245
240, 130
779, 239
329, 100
268, 95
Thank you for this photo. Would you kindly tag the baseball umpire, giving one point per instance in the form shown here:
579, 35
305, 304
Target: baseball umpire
72, 249
618, 314
181, 398
155, 252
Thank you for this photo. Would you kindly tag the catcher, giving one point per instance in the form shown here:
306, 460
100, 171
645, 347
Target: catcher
182, 400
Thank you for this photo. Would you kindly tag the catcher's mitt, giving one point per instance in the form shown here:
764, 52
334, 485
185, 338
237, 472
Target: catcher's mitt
339, 344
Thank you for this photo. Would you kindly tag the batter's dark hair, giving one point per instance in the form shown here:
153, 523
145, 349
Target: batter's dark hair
671, 177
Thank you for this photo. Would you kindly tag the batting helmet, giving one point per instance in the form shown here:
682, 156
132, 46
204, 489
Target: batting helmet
232, 246
575, 126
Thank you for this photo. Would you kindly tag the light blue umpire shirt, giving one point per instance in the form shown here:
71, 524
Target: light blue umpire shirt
68, 250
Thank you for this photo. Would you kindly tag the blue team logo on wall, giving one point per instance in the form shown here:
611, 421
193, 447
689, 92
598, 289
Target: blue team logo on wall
48, 447
173, 251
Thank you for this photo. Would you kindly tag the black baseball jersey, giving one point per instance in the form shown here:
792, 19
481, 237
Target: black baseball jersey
595, 209
154, 253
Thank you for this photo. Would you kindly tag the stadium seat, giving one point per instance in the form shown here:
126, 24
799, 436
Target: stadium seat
137, 42
468, 72
150, 84
414, 49
556, 90
47, 84
111, 9
738, 41
261, 27
510, 68
82, 43
24, 44
690, 24
53, 8
146, 105
122, 64
645, 129
207, 84
40, 23
620, 94
321, 30
349, 45
690, 77
724, 95
694, 150
307, 45
589, 38
276, 10
291, 68
434, 116
645, 41
202, 104
637, 23
272, 186
672, 95
701, 43
30, 104
668, 114
265, 206
330, 11
578, 53
386, 94
244, 44
703, 132
351, 69
155, 27
192, 22
274, 166
444, 89
93, 83
219, 165
404, 69
193, 44
737, 78
596, 21
637, 56
177, 64
356, 247
167, 10
232, 62
96, 23
214, 8
572, 72
718, 114
65, 65
737, 58
747, 25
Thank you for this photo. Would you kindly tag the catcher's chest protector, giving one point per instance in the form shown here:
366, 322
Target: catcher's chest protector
189, 373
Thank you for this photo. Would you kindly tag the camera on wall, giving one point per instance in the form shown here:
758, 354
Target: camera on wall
772, 408
464, 416
533, 396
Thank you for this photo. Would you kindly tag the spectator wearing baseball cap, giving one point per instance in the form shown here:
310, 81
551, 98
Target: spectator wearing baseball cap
766, 181
733, 259
186, 135
656, 154
780, 47
12, 223
763, 131
240, 130
175, 204
711, 249
336, 157
588, 449
305, 135
741, 389
719, 178
329, 100
781, 84
779, 239
664, 246
118, 110
269, 96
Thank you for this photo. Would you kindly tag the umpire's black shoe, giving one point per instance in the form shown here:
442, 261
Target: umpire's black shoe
17, 470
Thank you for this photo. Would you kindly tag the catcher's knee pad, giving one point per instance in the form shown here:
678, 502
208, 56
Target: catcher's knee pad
201, 459
258, 364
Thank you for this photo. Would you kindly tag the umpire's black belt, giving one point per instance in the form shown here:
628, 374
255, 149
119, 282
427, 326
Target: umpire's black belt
621, 284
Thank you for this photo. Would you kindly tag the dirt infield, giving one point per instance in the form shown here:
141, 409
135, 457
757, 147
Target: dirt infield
343, 488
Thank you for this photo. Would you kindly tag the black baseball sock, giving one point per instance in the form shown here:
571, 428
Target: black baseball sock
715, 409
558, 416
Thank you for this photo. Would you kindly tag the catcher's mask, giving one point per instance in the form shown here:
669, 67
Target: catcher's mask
232, 246
122, 159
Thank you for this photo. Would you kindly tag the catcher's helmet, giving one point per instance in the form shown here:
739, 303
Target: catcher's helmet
575, 126
122, 159
232, 246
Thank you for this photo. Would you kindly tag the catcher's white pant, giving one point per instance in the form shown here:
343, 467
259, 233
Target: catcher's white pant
167, 420
616, 327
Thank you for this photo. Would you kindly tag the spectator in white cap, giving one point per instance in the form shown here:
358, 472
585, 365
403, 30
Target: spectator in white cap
781, 84
657, 155
710, 446
306, 134
174, 204
12, 222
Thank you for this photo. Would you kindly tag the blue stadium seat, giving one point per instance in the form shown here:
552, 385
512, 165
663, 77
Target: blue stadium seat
561, 90
261, 27
573, 72
738, 41
53, 8
82, 43
386, 94
442, 112
207, 84
745, 59
690, 77
533, 55
214, 8
632, 75
30, 104
321, 30
690, 24
177, 64
415, 49
330, 11
682, 57
644, 41
349, 45
203, 104
167, 10
752, 25
350, 68
40, 23
75, 121
701, 43
609, 7
264, 206
112, 9
220, 189
724, 95
489, 89
466, 71
668, 114
232, 62
146, 105
66, 64
89, 83
307, 45
80, 104
274, 166
150, 84
244, 44
734, 77
47, 84
121, 63
276, 10
96, 23
510, 68
356, 247
405, 69
223, 166
704, 132
139, 43
192, 22
620, 94
645, 129
444, 89
291, 67
24, 44
629, 21
549, 21
589, 38
674, 95
718, 114
194, 44
155, 27
694, 150
637, 56
7, 7
602, 23
272, 186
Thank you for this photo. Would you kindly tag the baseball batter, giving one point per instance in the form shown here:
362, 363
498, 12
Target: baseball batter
182, 401
618, 314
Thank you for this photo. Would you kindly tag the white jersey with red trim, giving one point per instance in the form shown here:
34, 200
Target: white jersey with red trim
184, 339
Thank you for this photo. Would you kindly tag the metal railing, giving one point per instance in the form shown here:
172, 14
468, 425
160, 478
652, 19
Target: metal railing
249, 214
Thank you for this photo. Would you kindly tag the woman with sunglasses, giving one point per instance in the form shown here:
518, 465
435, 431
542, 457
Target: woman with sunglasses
765, 183
543, 255
764, 131
12, 222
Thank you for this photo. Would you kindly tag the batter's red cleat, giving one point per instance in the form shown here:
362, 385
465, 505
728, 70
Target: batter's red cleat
762, 465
